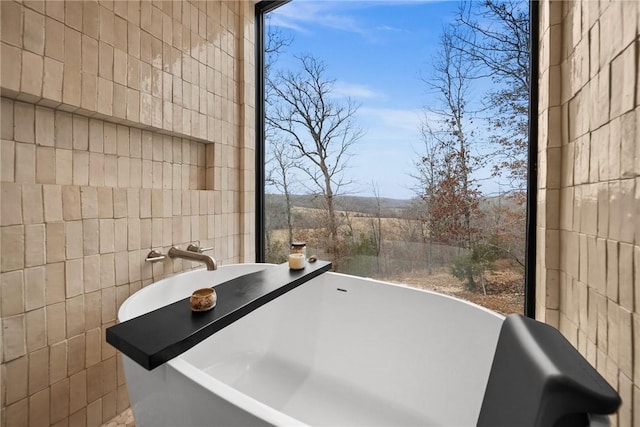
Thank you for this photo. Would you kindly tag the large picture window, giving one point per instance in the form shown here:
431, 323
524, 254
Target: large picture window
395, 140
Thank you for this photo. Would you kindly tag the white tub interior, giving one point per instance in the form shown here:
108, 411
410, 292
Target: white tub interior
368, 354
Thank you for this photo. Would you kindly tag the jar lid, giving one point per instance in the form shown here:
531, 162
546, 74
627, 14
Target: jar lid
298, 244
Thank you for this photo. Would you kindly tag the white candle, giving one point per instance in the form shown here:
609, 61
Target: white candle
296, 261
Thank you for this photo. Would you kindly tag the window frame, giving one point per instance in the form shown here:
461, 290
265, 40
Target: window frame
532, 164
261, 9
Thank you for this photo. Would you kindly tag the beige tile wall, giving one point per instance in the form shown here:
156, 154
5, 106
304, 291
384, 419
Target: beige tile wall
589, 186
125, 126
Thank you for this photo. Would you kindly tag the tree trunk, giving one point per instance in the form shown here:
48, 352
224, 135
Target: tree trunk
289, 219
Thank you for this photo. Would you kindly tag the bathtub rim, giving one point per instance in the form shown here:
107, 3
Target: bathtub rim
411, 288
123, 310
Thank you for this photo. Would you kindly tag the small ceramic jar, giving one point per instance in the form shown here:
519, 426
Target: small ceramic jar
297, 261
298, 256
203, 299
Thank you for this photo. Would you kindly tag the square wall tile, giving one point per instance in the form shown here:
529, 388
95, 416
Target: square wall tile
10, 73
58, 354
34, 245
16, 377
55, 242
25, 155
54, 40
7, 159
56, 322
92, 313
12, 285
13, 337
59, 404
73, 239
52, 200
64, 167
45, 127
39, 408
45, 165
76, 358
74, 278
17, 413
12, 23
12, 243
31, 76
55, 283
36, 329
91, 237
35, 288
11, 213
32, 206
38, 370
71, 203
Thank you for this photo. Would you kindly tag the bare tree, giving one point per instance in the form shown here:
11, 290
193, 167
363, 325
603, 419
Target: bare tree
495, 35
453, 194
275, 44
280, 165
503, 222
321, 129
428, 176
375, 222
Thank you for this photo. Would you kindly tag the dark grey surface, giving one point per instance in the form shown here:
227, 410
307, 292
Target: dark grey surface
160, 335
538, 379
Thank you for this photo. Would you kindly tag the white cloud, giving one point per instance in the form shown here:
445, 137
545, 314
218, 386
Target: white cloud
342, 15
407, 120
298, 15
390, 29
279, 20
344, 89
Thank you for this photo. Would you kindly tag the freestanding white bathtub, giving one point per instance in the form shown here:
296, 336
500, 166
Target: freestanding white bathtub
337, 350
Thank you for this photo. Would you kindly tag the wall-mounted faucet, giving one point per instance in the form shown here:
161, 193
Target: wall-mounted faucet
193, 253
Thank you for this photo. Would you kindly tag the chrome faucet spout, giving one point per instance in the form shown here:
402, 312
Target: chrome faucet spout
209, 261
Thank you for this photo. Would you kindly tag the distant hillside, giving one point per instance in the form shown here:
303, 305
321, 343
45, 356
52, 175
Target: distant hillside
389, 207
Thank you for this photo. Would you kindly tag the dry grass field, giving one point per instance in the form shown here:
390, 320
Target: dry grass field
504, 285
505, 288
360, 223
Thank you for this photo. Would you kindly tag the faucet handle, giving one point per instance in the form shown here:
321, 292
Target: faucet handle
196, 248
155, 256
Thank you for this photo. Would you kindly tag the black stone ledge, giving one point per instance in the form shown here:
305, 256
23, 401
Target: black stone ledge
160, 335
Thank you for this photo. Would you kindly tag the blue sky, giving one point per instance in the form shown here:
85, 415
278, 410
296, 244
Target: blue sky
378, 52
